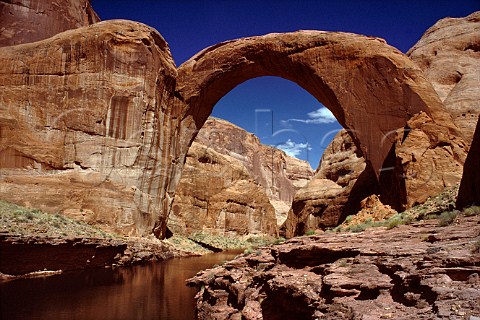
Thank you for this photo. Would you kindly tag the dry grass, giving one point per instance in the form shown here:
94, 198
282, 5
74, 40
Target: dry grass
17, 220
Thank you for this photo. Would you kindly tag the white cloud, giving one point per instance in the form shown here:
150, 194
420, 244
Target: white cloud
292, 148
322, 115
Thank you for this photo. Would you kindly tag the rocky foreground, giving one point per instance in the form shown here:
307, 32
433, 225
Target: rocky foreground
417, 271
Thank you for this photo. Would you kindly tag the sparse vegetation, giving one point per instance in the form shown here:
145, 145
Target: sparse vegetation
357, 227
394, 222
447, 218
310, 232
19, 220
471, 211
348, 219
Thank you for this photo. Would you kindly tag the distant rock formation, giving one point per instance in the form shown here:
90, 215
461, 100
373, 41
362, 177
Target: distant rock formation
216, 195
340, 183
24, 21
231, 182
449, 55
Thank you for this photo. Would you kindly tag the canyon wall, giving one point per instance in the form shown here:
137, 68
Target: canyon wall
228, 176
449, 55
87, 126
24, 21
469, 192
96, 122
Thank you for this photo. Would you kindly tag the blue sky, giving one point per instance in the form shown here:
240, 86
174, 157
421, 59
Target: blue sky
279, 111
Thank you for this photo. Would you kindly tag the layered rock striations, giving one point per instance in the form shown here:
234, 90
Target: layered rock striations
96, 123
87, 126
341, 181
226, 161
421, 271
216, 195
449, 55
24, 21
371, 88
420, 162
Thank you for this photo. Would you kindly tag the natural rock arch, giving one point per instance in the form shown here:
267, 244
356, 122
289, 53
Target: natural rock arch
371, 87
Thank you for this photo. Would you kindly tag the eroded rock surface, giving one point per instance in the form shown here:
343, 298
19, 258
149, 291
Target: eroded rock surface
87, 126
385, 89
420, 271
449, 55
24, 21
217, 195
221, 156
341, 181
96, 123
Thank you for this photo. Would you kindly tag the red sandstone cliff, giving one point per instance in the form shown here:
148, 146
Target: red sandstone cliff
24, 21
449, 55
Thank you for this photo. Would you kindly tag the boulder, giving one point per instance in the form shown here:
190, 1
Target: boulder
27, 21
449, 55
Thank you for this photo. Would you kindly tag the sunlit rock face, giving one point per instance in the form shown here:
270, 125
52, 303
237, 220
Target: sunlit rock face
449, 55
87, 125
227, 161
24, 21
341, 181
96, 122
371, 88
217, 195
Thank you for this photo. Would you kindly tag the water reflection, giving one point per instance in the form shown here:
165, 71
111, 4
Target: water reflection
153, 291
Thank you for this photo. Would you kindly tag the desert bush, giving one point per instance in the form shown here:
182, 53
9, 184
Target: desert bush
471, 211
447, 218
393, 223
348, 219
358, 227
310, 232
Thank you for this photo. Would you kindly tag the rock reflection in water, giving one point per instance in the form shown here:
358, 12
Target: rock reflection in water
154, 291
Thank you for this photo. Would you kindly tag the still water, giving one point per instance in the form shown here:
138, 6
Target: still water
153, 291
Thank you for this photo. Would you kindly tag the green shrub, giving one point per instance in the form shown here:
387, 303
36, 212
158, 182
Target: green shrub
348, 219
279, 240
447, 218
471, 211
408, 219
395, 222
358, 227
338, 229
310, 232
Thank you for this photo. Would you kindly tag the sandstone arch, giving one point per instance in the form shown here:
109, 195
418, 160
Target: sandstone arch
371, 87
